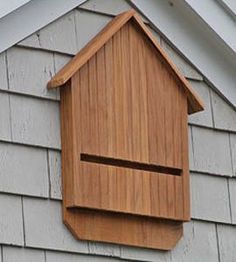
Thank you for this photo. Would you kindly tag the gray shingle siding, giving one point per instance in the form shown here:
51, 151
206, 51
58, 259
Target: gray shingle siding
30, 177
211, 151
5, 123
227, 242
19, 254
3, 70
35, 121
11, 220
24, 65
44, 228
23, 170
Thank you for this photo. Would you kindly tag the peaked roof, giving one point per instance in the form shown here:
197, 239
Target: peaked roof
194, 102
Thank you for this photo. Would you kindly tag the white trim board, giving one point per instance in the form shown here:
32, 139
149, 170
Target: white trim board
7, 6
196, 41
217, 18
31, 17
230, 5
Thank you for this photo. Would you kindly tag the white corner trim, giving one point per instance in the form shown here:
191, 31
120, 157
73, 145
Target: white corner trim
217, 18
230, 5
7, 6
31, 17
196, 41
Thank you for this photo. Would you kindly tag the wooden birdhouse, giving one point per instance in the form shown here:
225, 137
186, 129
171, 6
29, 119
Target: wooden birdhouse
124, 109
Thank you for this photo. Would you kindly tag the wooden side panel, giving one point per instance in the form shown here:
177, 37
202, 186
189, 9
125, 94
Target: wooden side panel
68, 144
185, 160
129, 106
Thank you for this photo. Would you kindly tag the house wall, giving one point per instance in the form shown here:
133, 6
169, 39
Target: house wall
31, 227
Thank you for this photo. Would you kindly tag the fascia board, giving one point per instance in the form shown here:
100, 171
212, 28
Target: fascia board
216, 17
31, 17
230, 5
7, 7
193, 38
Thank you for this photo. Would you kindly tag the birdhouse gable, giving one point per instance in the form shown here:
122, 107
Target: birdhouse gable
195, 104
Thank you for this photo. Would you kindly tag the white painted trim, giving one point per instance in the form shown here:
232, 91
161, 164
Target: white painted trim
31, 17
7, 6
196, 41
217, 18
230, 5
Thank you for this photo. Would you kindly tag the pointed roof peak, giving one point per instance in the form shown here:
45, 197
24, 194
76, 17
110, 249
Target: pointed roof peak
194, 102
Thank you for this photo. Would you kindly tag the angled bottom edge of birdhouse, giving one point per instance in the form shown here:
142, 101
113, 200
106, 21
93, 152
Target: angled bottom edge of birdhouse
123, 229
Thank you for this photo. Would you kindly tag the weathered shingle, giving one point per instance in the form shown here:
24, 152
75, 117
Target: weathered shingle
3, 70
5, 125
35, 121
203, 118
224, 114
210, 198
58, 36
227, 243
110, 7
233, 151
44, 227
143, 254
29, 71
185, 68
211, 151
11, 222
23, 170
54, 158
93, 23
232, 190
17, 254
199, 243
104, 249
31, 41
61, 60
66, 257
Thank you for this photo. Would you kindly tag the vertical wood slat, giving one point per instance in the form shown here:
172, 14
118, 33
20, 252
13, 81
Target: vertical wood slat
102, 124
67, 144
136, 116
127, 121
119, 120
179, 189
146, 180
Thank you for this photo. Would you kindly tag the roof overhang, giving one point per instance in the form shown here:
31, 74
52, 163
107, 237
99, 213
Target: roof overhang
6, 7
198, 35
29, 17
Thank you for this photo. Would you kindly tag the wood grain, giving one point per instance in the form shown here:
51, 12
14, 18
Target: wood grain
123, 229
129, 111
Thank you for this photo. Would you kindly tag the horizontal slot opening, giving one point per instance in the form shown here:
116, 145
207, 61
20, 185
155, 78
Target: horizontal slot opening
130, 164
